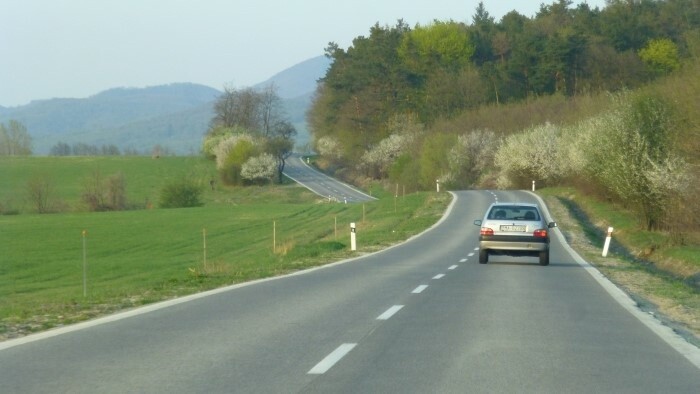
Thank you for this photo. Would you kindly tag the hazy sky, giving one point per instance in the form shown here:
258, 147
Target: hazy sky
77, 48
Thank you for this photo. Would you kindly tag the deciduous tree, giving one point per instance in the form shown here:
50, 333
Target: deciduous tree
15, 139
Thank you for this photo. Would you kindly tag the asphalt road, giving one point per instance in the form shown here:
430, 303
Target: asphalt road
420, 317
322, 184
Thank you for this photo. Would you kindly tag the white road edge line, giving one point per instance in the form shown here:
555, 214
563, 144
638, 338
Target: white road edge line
324, 176
439, 276
331, 359
419, 289
453, 267
666, 333
166, 304
389, 312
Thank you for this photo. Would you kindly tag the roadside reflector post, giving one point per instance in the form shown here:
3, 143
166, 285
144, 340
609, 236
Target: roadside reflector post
353, 240
533, 186
437, 185
607, 242
204, 246
84, 263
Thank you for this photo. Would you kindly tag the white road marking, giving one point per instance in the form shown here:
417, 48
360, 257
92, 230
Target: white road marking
471, 254
452, 267
463, 261
476, 248
689, 351
390, 312
331, 359
439, 276
419, 289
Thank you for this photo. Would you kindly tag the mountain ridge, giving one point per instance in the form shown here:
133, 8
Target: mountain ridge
174, 116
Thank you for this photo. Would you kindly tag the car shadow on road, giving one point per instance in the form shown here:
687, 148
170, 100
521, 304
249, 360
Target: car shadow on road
533, 263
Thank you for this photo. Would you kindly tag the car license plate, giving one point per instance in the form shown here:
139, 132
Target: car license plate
513, 228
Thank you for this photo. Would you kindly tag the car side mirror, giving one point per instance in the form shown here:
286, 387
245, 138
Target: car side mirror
552, 224
477, 222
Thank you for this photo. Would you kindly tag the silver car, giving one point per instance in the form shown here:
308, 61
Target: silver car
514, 229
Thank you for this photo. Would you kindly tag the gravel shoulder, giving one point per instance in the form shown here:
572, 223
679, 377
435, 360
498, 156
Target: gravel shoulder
672, 302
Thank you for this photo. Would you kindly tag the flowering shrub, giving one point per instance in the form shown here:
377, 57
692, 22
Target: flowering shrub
223, 150
471, 157
535, 154
627, 152
328, 147
377, 160
259, 168
216, 136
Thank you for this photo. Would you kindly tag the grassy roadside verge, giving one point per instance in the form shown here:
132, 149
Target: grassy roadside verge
661, 277
145, 256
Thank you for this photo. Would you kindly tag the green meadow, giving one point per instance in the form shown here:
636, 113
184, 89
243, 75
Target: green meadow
144, 255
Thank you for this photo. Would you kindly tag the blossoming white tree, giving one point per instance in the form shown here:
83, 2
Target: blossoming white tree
259, 168
534, 154
472, 156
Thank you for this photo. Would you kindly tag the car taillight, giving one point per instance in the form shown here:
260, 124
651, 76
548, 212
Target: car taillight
541, 233
486, 231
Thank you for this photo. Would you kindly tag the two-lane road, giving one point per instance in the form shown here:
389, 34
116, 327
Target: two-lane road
420, 317
321, 184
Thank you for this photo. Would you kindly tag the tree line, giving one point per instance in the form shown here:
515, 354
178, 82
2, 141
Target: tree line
413, 105
82, 149
437, 71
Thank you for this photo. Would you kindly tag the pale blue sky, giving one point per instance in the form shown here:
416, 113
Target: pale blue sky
76, 48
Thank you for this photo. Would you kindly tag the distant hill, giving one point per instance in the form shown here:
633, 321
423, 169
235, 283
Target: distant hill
296, 86
300, 79
169, 115
174, 116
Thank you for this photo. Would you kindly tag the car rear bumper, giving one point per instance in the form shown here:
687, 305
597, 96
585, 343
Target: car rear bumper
511, 242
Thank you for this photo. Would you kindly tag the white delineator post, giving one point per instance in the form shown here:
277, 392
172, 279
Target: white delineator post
533, 186
437, 185
607, 242
204, 246
353, 241
84, 264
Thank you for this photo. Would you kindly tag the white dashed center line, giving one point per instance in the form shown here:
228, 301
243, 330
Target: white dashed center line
463, 261
390, 312
452, 267
330, 360
439, 276
419, 289
471, 254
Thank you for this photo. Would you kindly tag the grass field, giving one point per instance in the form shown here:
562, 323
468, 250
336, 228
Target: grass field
68, 176
146, 255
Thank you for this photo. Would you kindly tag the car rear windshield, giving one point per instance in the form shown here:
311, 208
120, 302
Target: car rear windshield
513, 212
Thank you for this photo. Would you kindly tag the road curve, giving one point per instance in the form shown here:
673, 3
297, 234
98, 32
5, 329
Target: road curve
420, 317
321, 184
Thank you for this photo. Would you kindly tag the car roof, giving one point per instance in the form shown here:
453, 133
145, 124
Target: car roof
520, 204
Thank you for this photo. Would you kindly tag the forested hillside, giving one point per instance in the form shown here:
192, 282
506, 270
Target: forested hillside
573, 95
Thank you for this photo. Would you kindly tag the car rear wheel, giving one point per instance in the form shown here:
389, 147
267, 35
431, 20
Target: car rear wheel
544, 258
483, 256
